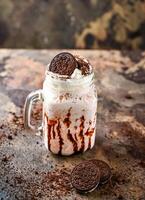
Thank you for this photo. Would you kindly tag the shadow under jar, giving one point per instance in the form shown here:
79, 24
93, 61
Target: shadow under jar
69, 113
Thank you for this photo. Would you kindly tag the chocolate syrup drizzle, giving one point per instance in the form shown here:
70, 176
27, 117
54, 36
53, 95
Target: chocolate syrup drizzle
60, 138
89, 133
52, 124
49, 132
82, 119
67, 121
70, 137
52, 133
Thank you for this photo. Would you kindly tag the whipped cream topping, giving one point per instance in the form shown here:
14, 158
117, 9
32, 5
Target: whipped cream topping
77, 74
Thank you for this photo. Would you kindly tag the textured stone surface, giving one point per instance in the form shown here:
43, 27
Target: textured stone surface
72, 23
28, 171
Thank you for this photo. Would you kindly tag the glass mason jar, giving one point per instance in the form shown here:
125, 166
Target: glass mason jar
69, 113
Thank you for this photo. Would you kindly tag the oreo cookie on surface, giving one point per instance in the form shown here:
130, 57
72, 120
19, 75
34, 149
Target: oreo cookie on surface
85, 177
105, 171
63, 64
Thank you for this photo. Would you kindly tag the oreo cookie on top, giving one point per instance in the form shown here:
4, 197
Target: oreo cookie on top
65, 64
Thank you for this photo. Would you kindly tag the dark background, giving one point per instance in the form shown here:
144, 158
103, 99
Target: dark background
101, 24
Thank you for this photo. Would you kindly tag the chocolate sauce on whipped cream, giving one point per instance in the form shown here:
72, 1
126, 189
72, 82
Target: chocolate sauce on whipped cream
67, 64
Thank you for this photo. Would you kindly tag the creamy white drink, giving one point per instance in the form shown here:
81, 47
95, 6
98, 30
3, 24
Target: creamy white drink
69, 110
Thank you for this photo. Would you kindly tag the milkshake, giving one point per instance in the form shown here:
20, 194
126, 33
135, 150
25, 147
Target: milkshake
69, 105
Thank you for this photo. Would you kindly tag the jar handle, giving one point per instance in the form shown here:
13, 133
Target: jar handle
32, 97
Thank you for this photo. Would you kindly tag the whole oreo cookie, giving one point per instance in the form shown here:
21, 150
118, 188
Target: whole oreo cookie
105, 171
63, 64
85, 176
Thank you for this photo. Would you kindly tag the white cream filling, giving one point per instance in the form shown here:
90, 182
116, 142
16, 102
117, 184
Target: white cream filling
77, 74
